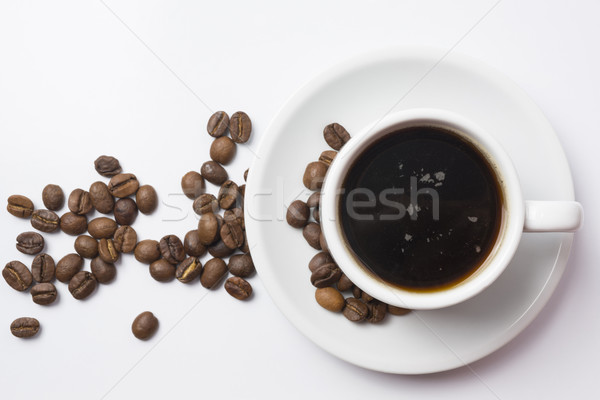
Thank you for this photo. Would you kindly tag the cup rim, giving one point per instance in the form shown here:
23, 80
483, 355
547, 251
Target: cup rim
501, 254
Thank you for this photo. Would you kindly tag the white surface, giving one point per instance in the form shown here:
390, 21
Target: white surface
71, 73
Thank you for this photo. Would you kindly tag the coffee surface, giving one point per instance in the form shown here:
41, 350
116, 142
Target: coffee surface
421, 208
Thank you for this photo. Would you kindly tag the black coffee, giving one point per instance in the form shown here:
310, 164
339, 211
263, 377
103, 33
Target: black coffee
421, 208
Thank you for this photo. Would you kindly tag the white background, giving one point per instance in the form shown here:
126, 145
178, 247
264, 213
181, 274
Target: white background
139, 82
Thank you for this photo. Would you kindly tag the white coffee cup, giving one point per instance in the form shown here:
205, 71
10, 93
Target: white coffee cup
520, 215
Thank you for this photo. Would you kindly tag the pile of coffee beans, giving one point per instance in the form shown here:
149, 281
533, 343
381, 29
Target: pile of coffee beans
326, 275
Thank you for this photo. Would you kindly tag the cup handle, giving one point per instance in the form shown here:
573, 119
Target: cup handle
552, 216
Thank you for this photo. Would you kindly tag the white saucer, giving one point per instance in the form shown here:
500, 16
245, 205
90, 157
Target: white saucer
357, 93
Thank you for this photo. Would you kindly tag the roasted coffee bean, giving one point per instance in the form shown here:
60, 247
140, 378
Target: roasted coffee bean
213, 172
171, 249
246, 174
330, 299
30, 243
101, 198
397, 310
146, 199
208, 229
336, 135
320, 259
68, 266
86, 246
73, 224
107, 166
43, 293
327, 156
43, 268
125, 239
102, 228
45, 220
317, 216
377, 311
188, 270
355, 310
103, 271
344, 283
312, 233
222, 150
241, 265
326, 275
193, 184
17, 275
144, 325
214, 271
126, 211
359, 294
147, 251
80, 202
107, 251
25, 327
205, 203
53, 197
366, 297
314, 175
245, 248
235, 214
220, 250
323, 242
232, 234
242, 190
162, 270
314, 200
218, 124
192, 245
123, 185
240, 127
228, 195
238, 288
82, 285
19, 206
297, 214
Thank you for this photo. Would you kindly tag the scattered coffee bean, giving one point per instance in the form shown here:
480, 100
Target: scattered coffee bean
126, 211
107, 166
241, 265
146, 199
240, 127
246, 174
86, 246
193, 184
171, 249
43, 268
245, 248
235, 214
366, 297
297, 214
314, 175
144, 325
359, 294
45, 220
192, 245
377, 311
208, 229
213, 172
101, 198
19, 206
323, 242
205, 203
242, 190
320, 259
222, 150
25, 327
312, 233
102, 228
17, 275
238, 288
107, 251
53, 197
30, 243
43, 293
123, 185
355, 310
214, 271
397, 310
125, 239
162, 270
147, 251
82, 285
188, 270
344, 284
232, 234
314, 200
336, 135
330, 299
68, 266
326, 275
317, 216
80, 202
218, 124
73, 224
228, 195
103, 271
327, 156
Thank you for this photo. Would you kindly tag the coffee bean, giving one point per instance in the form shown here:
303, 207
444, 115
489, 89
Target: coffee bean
147, 251
102, 228
240, 127
314, 175
235, 214
171, 249
125, 239
355, 310
245, 248
218, 124
205, 203
188, 270
377, 311
192, 245
327, 156
344, 283
314, 200
73, 224
45, 220
25, 327
30, 243
220, 250
162, 270
107, 166
193, 184
241, 265
43, 268
246, 174
232, 234
242, 190
326, 275
214, 271
86, 246
323, 242
53, 197
19, 206
320, 259
336, 135
103, 271
297, 214
312, 233
222, 150
107, 251
366, 297
317, 216
126, 211
208, 229
43, 293
146, 199
68, 266
238, 288
228, 195
359, 294
101, 198
330, 299
123, 185
213, 172
17, 275
397, 310
82, 285
144, 325
80, 202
